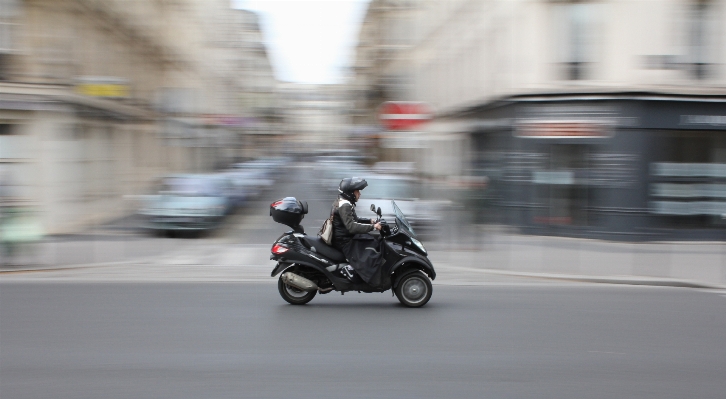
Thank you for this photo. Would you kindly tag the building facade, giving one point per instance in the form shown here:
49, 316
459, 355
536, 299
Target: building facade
316, 116
99, 98
589, 118
259, 98
385, 36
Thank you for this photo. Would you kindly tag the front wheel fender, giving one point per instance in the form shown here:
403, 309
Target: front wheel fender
409, 265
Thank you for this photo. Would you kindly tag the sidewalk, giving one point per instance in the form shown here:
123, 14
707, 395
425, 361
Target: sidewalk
681, 264
687, 264
69, 251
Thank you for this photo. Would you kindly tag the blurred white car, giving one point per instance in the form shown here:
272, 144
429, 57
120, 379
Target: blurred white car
398, 168
187, 202
252, 177
424, 215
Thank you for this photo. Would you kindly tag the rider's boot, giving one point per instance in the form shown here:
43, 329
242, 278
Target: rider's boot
347, 271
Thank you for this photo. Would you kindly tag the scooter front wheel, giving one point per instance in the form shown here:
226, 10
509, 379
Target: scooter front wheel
414, 290
294, 295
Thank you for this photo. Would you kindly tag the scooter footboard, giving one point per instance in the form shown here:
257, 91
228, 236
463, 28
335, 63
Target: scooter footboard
311, 272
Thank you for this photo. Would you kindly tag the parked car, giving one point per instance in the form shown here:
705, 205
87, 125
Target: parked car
240, 188
254, 176
188, 202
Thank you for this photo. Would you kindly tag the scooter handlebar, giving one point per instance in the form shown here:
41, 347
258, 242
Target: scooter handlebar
385, 228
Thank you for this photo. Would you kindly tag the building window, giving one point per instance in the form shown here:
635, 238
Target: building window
5, 129
13, 145
9, 10
8, 27
575, 38
702, 36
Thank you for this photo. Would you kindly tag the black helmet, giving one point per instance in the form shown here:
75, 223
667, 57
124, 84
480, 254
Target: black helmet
350, 184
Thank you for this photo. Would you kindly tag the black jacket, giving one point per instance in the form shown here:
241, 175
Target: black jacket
346, 223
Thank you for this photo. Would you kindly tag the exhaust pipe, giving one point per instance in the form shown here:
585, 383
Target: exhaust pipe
296, 281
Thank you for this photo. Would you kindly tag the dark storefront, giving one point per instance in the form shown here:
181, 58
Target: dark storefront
626, 167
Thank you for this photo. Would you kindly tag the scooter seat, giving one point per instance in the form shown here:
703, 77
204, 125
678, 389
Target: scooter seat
324, 249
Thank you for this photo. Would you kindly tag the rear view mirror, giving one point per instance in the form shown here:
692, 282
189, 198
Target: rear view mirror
378, 212
373, 208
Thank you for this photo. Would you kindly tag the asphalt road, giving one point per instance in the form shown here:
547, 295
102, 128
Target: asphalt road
240, 340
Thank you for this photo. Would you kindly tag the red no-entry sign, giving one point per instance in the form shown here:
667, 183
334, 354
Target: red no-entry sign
399, 115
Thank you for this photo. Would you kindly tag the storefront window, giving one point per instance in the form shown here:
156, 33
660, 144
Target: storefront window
688, 181
562, 189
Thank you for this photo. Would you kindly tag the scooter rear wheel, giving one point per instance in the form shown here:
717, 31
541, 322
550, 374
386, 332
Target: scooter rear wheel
294, 295
414, 290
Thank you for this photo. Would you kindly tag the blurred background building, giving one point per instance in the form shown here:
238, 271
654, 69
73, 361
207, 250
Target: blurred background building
317, 117
386, 34
98, 98
585, 118
263, 122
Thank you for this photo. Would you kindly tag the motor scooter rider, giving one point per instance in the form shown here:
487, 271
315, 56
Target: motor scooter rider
362, 254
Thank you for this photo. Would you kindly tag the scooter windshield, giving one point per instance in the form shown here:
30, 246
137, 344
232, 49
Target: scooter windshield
403, 223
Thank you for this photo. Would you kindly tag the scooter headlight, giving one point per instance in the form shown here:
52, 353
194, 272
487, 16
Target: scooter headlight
418, 244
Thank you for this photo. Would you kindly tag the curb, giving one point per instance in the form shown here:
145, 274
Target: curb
77, 266
628, 280
625, 280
